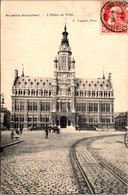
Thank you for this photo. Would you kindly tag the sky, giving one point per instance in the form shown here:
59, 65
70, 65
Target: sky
34, 41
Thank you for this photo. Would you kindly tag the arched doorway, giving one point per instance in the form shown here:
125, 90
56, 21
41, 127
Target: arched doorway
63, 122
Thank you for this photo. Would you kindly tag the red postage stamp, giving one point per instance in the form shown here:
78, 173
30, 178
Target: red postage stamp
114, 16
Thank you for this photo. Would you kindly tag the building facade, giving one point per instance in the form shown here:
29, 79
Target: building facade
121, 120
64, 100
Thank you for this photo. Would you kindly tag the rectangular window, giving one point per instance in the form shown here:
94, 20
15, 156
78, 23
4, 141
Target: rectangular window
21, 118
103, 120
30, 118
102, 107
30, 106
107, 120
43, 105
47, 106
22, 105
17, 105
95, 119
57, 106
68, 106
95, 107
107, 107
91, 119
34, 118
90, 107
34, 106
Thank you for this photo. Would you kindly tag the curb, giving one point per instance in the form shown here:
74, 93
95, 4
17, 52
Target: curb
11, 144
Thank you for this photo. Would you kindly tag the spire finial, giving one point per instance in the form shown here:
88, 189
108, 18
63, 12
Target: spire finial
65, 28
22, 70
103, 74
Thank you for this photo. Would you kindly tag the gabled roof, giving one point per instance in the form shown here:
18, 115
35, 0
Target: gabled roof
93, 84
33, 82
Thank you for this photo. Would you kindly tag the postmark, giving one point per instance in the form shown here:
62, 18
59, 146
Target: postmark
114, 17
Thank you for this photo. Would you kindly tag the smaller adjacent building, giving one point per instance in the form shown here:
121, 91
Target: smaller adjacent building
121, 120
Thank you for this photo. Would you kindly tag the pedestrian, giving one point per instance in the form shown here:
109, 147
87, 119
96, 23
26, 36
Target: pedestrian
21, 130
12, 135
46, 133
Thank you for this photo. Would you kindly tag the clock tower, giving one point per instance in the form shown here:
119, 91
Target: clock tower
64, 83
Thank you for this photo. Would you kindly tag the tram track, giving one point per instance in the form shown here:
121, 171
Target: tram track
89, 186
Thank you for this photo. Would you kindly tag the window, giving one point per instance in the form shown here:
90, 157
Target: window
102, 107
81, 106
22, 105
103, 120
90, 107
30, 106
107, 107
107, 120
34, 106
21, 118
34, 118
91, 119
93, 94
95, 107
17, 118
95, 119
68, 106
45, 106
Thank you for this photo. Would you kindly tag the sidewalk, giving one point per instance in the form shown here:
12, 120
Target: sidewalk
7, 141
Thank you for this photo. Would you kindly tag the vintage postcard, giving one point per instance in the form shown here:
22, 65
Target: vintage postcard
64, 105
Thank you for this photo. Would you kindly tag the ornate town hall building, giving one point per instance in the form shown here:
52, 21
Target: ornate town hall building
64, 100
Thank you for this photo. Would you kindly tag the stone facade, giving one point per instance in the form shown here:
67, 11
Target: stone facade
64, 100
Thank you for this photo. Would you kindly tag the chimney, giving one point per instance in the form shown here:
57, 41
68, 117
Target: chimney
16, 74
110, 77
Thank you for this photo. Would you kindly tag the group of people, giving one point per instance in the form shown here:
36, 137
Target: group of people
47, 130
15, 133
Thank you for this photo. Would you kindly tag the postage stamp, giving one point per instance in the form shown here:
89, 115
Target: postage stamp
114, 16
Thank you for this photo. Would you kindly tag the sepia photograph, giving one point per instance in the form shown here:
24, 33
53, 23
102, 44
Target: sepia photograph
64, 97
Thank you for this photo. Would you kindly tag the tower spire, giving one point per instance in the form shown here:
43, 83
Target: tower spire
22, 70
65, 34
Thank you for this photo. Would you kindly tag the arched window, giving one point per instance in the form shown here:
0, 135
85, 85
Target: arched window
93, 93
33, 92
50, 92
20, 92
81, 93
89, 93
45, 92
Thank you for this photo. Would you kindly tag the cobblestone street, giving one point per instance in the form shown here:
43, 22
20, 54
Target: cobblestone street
42, 166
